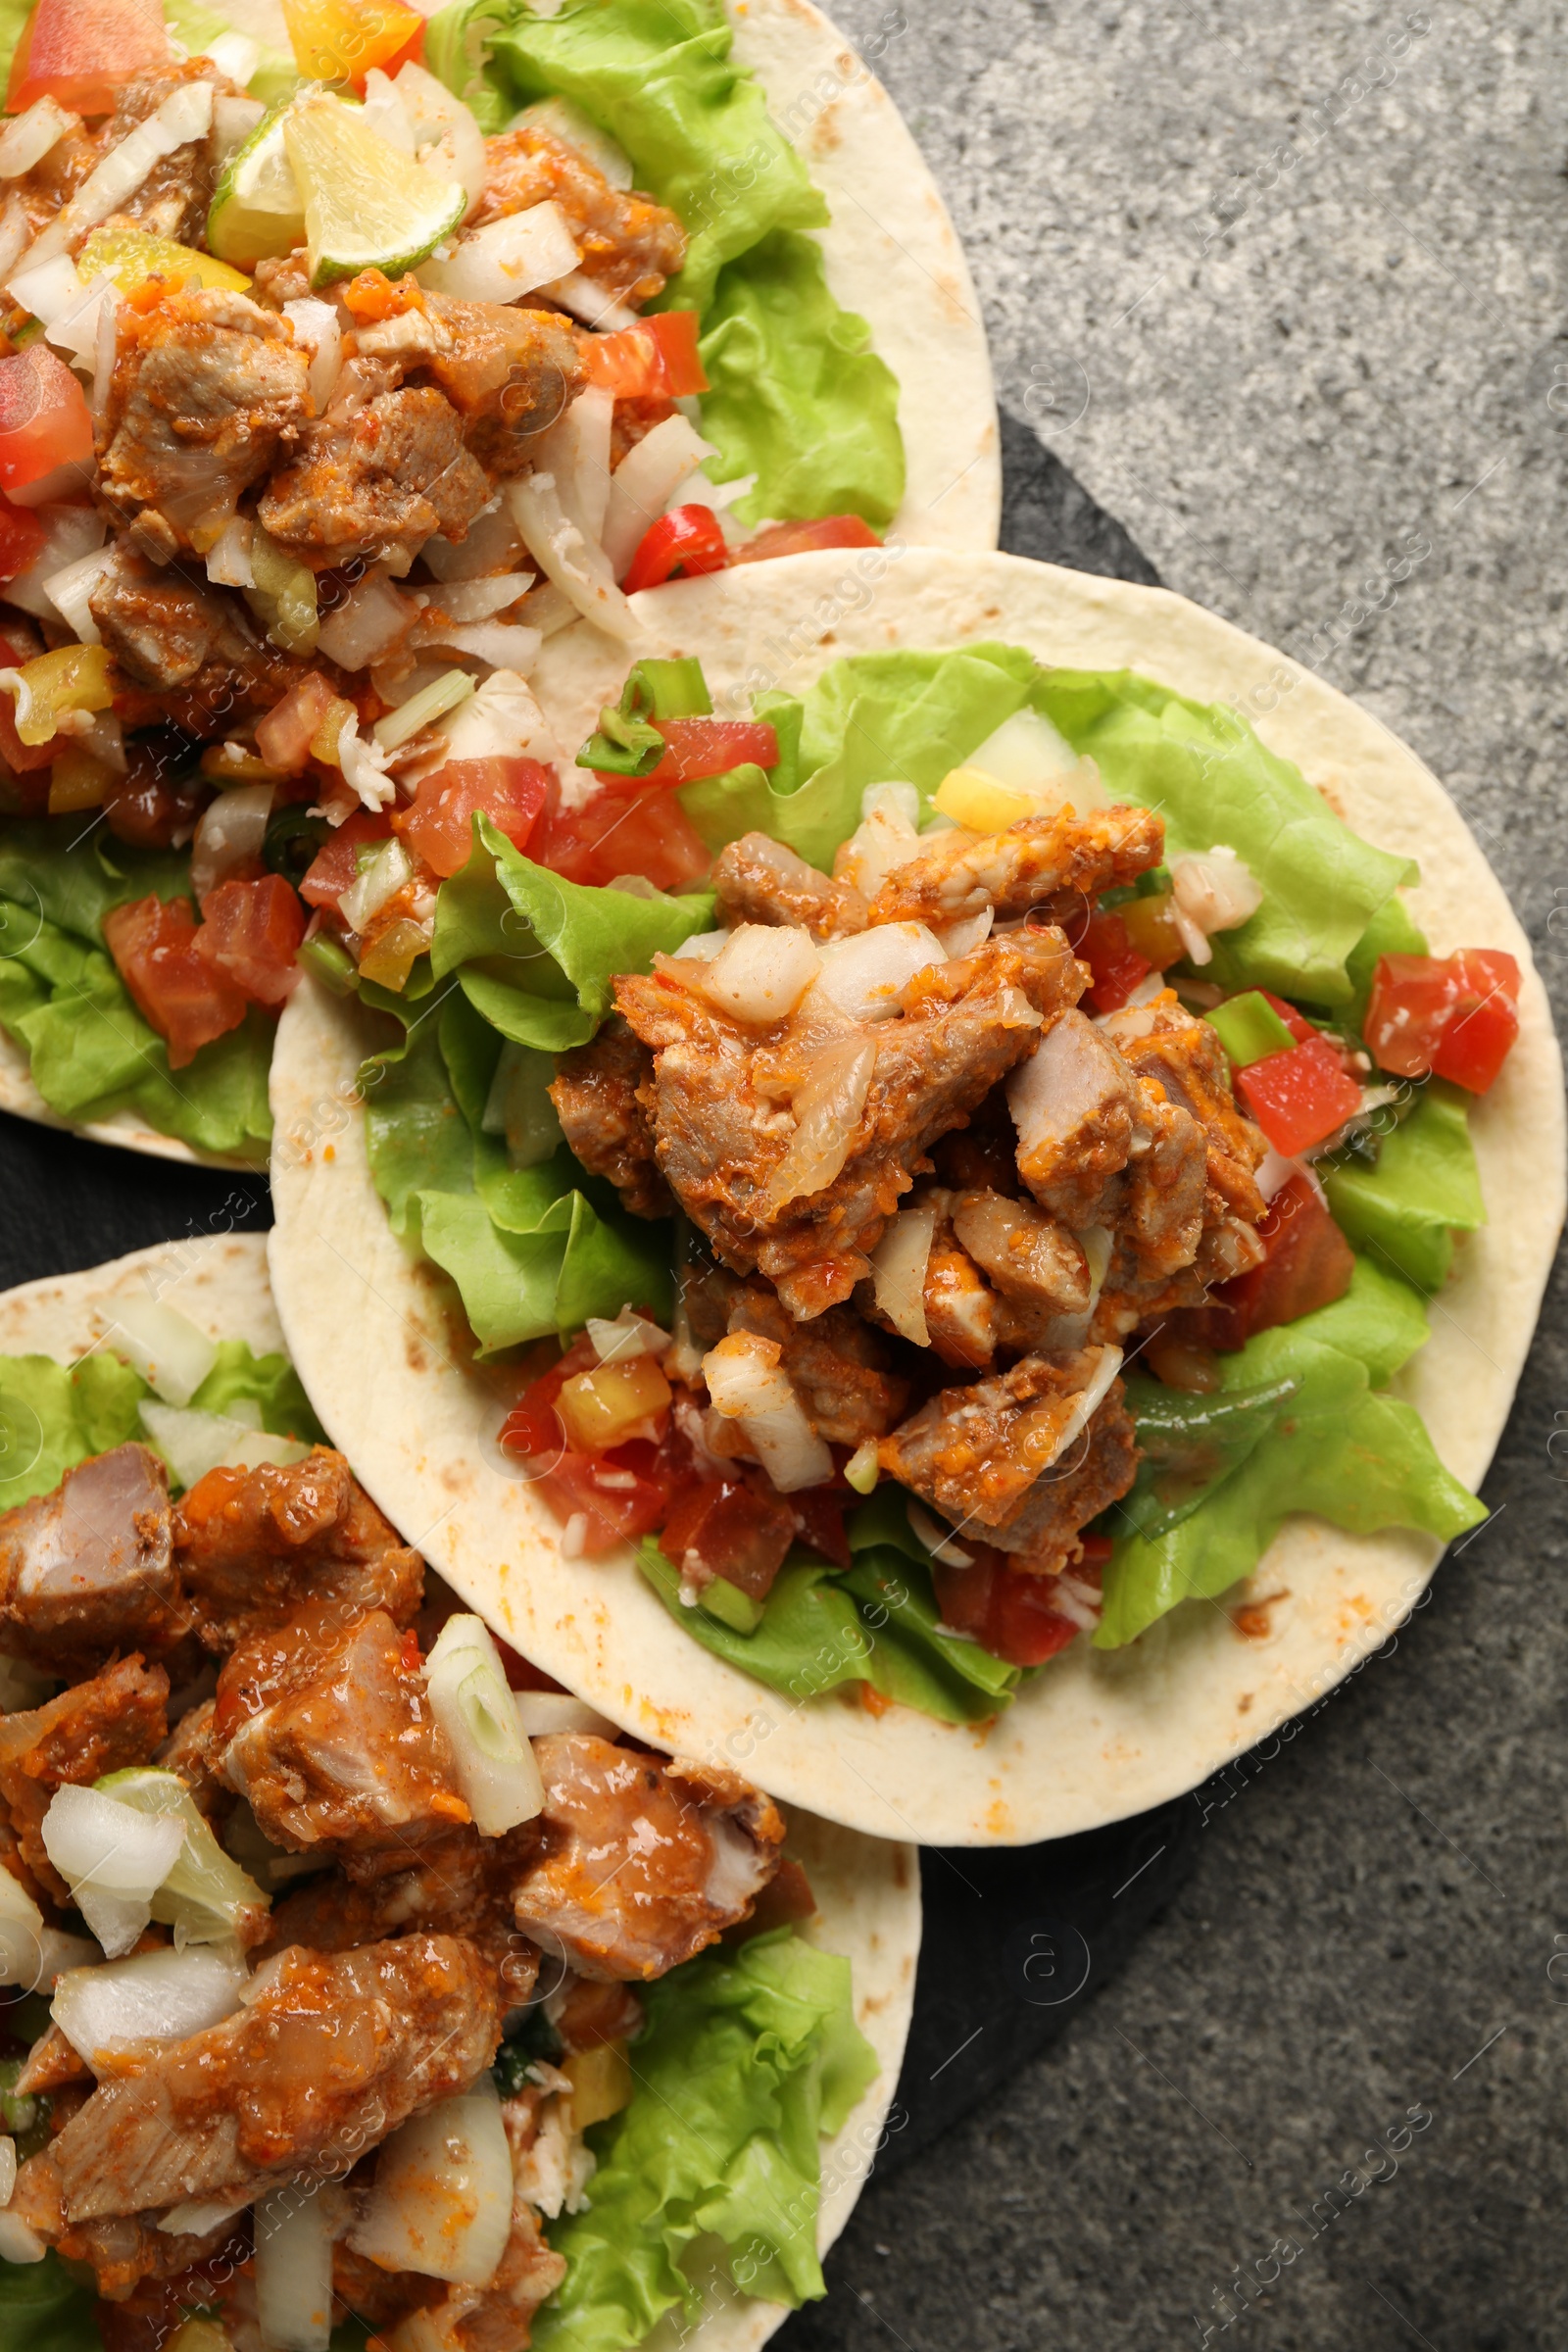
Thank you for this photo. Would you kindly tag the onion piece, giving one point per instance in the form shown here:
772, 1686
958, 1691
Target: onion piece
295, 2226
590, 302
76, 328
70, 589
1024, 751
507, 259
577, 566
748, 1384
205, 1896
1086, 1405
477, 600
501, 721
542, 1713
236, 57
22, 1932
827, 1108
575, 451
385, 112
233, 120
157, 1996
564, 120
185, 114
7, 2168
491, 543
28, 139
18, 2243
442, 2200
231, 832
864, 976
501, 645
193, 1443
937, 1537
884, 840
317, 327
447, 138
629, 1335
471, 1702
229, 559
48, 287
113, 1858
385, 875
432, 701
165, 1347
643, 483
15, 232
862, 1471
761, 972
1216, 892
71, 532
372, 618
898, 1266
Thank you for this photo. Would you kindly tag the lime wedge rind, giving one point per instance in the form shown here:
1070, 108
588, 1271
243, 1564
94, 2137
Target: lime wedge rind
367, 206
256, 212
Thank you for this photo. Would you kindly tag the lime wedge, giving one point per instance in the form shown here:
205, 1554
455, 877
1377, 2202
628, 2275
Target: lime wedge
256, 210
367, 205
130, 255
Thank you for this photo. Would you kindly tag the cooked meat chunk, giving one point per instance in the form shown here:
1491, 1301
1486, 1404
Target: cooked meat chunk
595, 1092
194, 1750
837, 1365
722, 1132
975, 1453
629, 245
251, 1544
387, 477
642, 1863
130, 2256
96, 1726
760, 880
1095, 1470
88, 1569
1034, 861
509, 372
207, 389
983, 1155
163, 627
1159, 1217
328, 2056
1029, 1256
172, 200
496, 2318
1074, 1103
50, 2062
1164, 1041
327, 1733
460, 1885
586, 2015
962, 1313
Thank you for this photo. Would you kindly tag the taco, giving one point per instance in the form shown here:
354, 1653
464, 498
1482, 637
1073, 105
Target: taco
357, 1977
1081, 1452
453, 349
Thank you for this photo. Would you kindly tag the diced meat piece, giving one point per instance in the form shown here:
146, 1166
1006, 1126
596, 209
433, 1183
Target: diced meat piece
983, 1154
642, 1864
1029, 1256
975, 1453
95, 1727
329, 2056
629, 245
88, 1569
962, 1313
378, 2299
251, 1544
1074, 1104
327, 1733
1095, 1472
586, 2015
1164, 1042
460, 1885
1159, 1218
172, 200
721, 1132
387, 477
837, 1365
51, 2062
194, 1750
207, 389
164, 627
496, 2318
136, 2264
760, 880
1031, 863
509, 372
595, 1092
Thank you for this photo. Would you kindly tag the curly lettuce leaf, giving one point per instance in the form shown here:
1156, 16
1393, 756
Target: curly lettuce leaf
750, 2058
1424, 1188
44, 2309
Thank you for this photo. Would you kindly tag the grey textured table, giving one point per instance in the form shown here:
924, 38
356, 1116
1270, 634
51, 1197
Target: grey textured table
1282, 290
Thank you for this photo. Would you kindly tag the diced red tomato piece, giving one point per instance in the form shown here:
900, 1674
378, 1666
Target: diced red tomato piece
533, 1430
1454, 1015
729, 1527
819, 1514
804, 538
81, 51
657, 357
175, 990
1308, 1265
250, 932
45, 429
22, 538
333, 869
1114, 961
640, 832
341, 40
1010, 1613
440, 823
707, 747
1299, 1027
1301, 1096
619, 1495
283, 736
686, 541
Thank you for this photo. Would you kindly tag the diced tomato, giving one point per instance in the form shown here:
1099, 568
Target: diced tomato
1010, 1613
803, 538
819, 1514
341, 40
1454, 1015
533, 1430
686, 541
657, 357
440, 823
80, 52
707, 747
1301, 1096
333, 869
641, 832
283, 736
619, 1495
175, 990
153, 806
786, 1899
18, 756
1299, 1027
22, 538
1114, 961
412, 53
731, 1529
1308, 1265
250, 932
45, 428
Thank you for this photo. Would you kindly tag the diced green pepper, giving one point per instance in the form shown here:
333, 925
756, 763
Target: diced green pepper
1250, 1028
329, 962
730, 1605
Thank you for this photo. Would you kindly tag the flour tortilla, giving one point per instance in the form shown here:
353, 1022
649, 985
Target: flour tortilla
867, 1888
1098, 1735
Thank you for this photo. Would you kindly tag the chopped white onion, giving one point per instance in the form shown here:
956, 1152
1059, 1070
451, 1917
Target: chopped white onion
317, 327
884, 840
898, 1267
22, 1931
542, 1713
113, 1860
229, 559
165, 1347
629, 1335
294, 2230
442, 2200
18, 2243
864, 976
432, 701
564, 120
477, 600
372, 618
748, 1384
471, 1702
106, 342
642, 484
28, 139
1214, 893
1025, 750
577, 566
48, 288
76, 329
198, 2215
235, 55
385, 875
231, 832
447, 138
185, 114
385, 112
961, 938
575, 453
205, 1896
7, 2168
233, 120
507, 259
704, 946
590, 302
937, 1537
71, 532
192, 1443
16, 231
827, 1107
499, 644
492, 542
1086, 1404
70, 589
157, 1996
501, 721
762, 972
518, 1105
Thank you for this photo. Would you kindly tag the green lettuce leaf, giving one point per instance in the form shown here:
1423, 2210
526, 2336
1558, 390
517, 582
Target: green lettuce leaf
44, 2309
1424, 1188
796, 399
750, 2058
1335, 1446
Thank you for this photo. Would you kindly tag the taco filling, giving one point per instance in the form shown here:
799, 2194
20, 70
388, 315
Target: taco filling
359, 1976
315, 419
984, 1210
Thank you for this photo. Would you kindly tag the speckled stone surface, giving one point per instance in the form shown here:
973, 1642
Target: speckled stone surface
1282, 289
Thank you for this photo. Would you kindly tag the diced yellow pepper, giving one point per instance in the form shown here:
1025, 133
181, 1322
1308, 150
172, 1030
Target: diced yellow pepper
200, 2335
598, 1409
601, 2083
1152, 928
393, 953
132, 256
232, 764
334, 719
76, 677
979, 804
78, 780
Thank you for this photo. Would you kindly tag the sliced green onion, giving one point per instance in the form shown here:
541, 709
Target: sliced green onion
739, 1610
205, 1897
330, 962
432, 701
472, 1704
